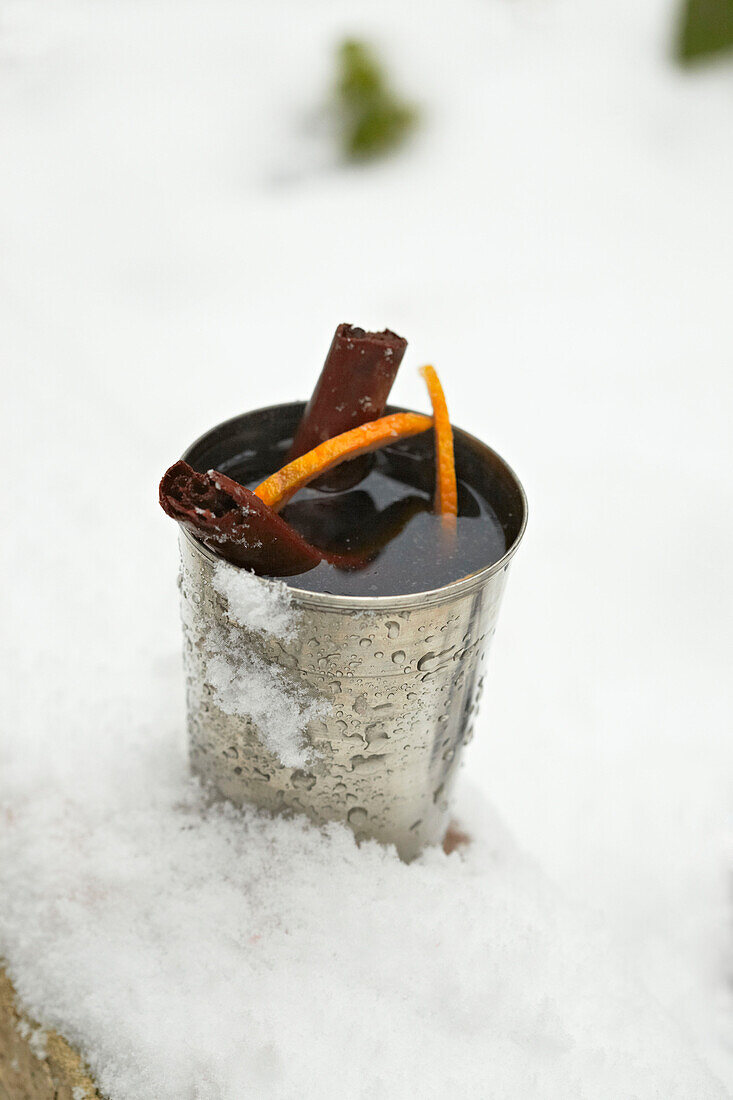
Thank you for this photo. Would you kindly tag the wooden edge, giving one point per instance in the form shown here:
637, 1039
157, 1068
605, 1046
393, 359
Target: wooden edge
37, 1065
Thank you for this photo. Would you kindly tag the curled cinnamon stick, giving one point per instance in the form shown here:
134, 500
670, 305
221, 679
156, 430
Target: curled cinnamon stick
234, 523
352, 389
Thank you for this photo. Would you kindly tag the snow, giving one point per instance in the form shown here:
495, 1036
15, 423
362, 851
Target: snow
37, 1038
252, 689
220, 658
254, 602
178, 245
199, 951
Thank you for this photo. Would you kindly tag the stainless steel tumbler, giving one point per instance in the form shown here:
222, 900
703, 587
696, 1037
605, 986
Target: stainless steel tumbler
392, 683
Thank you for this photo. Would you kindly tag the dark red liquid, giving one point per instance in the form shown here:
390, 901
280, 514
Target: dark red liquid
387, 518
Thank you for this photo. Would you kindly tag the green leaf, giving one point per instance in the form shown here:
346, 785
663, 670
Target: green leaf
360, 76
381, 127
706, 28
373, 120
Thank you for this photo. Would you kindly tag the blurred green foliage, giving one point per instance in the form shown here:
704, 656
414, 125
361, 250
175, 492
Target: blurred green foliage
706, 27
373, 119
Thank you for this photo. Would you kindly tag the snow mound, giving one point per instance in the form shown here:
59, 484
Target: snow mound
194, 950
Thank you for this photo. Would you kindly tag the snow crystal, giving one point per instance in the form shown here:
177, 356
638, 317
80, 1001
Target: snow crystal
220, 658
36, 1038
253, 689
255, 602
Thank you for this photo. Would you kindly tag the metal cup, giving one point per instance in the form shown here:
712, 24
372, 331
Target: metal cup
399, 677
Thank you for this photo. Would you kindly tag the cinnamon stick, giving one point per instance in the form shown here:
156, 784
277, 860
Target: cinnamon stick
352, 389
234, 523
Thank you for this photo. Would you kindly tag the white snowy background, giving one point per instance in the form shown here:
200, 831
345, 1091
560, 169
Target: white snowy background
178, 242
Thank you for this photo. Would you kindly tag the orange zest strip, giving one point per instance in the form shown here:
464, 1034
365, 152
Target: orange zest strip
446, 490
277, 489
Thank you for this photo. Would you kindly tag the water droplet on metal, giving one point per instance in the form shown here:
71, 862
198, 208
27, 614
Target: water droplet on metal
431, 661
368, 764
393, 629
375, 733
303, 779
361, 705
357, 815
365, 643
398, 656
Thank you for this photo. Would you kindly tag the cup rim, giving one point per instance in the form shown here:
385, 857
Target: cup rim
407, 601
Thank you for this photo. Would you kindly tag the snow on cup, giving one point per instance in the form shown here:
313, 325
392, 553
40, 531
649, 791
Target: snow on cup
344, 708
